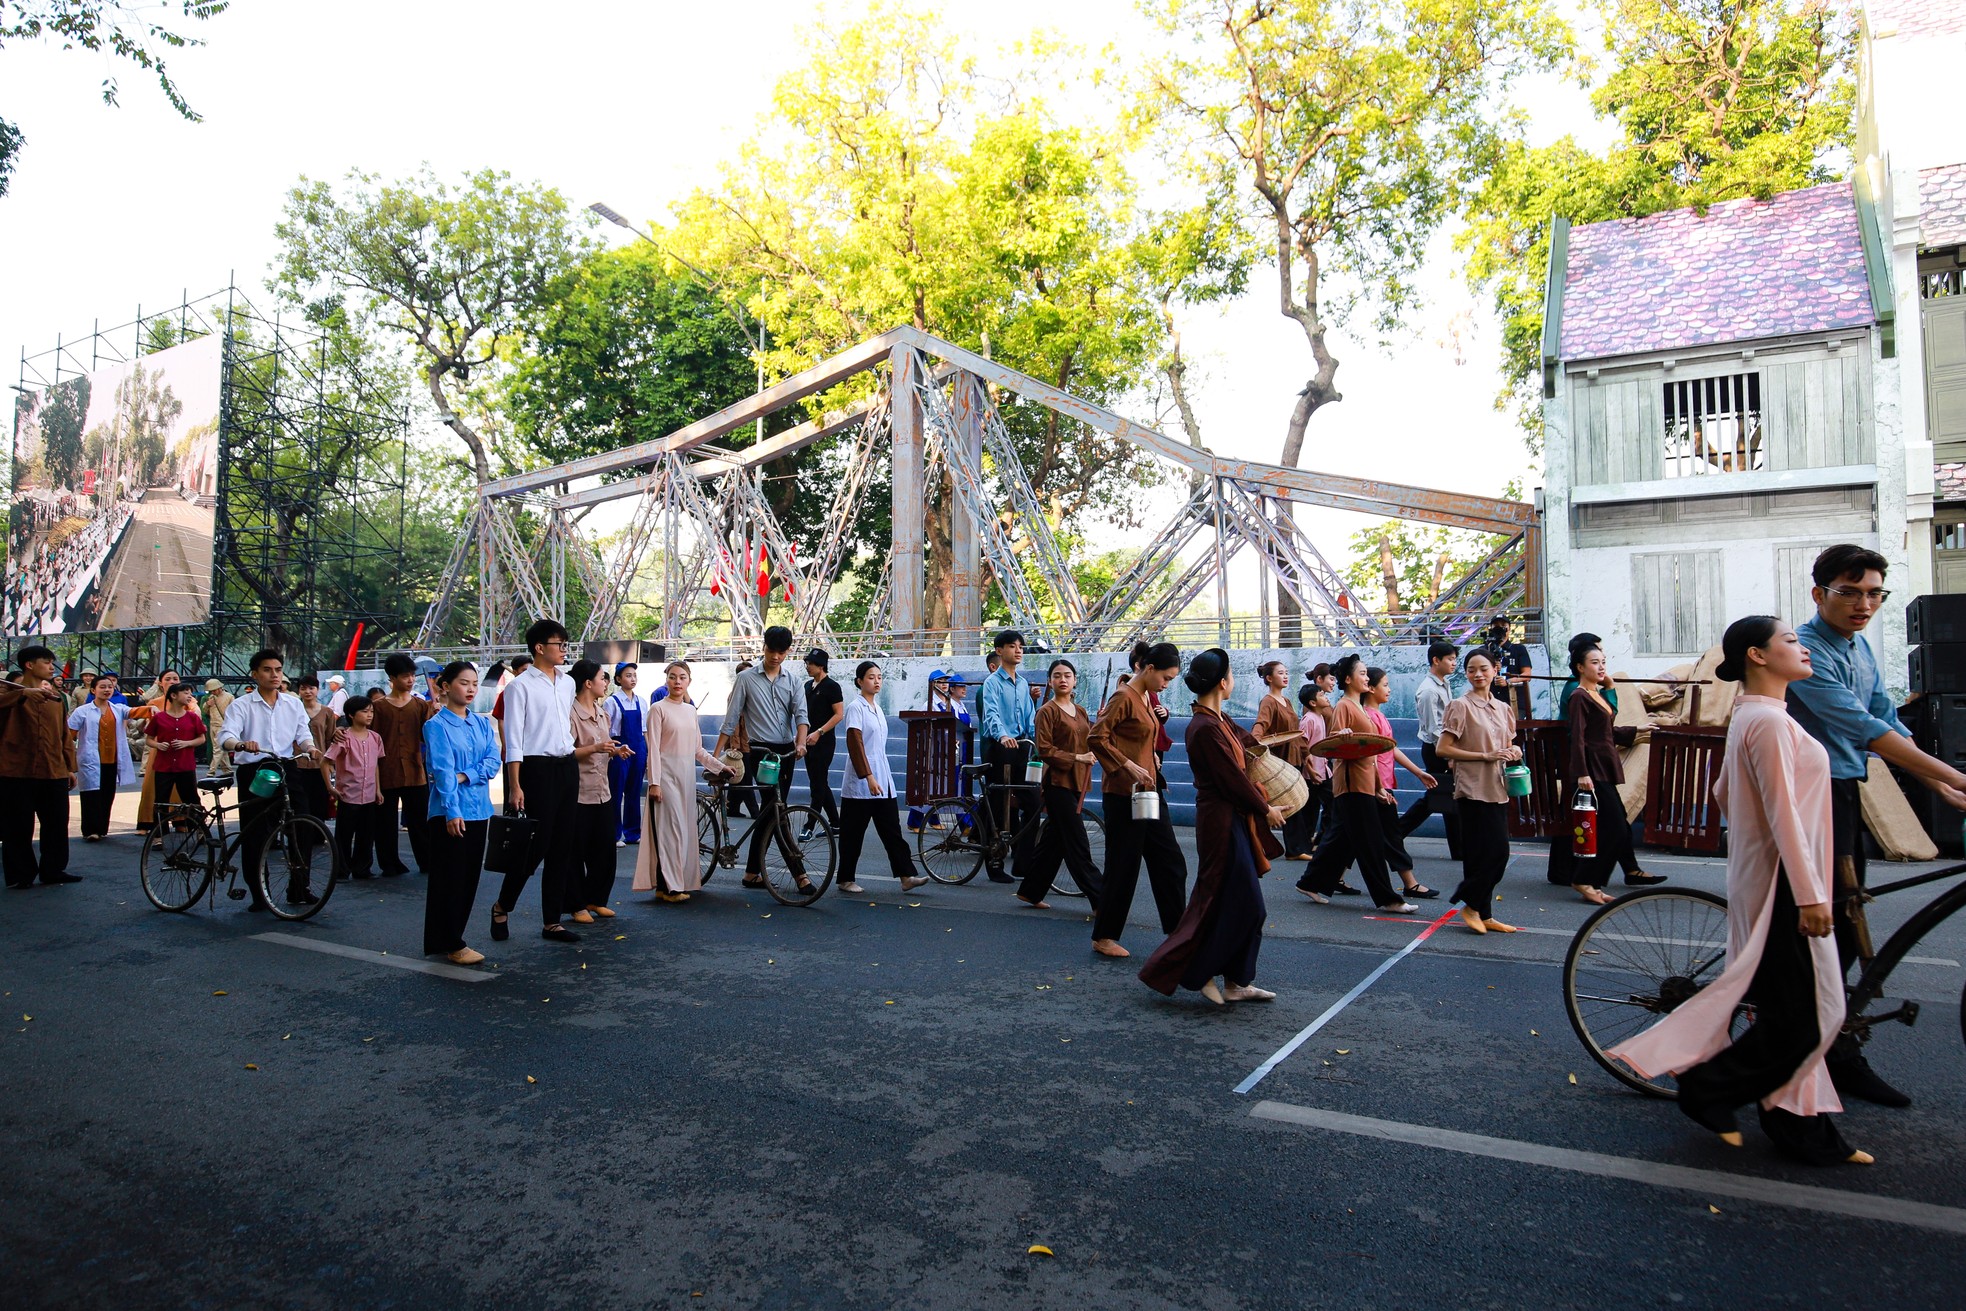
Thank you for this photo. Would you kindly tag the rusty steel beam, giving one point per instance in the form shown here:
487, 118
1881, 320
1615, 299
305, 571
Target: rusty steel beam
818, 378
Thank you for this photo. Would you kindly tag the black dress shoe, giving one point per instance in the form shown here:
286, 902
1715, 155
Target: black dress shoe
1347, 890
1643, 880
559, 933
1853, 1077
1423, 893
500, 929
61, 878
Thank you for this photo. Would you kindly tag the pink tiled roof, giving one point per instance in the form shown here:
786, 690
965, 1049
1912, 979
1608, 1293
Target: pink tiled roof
1916, 17
1744, 269
1951, 482
1942, 204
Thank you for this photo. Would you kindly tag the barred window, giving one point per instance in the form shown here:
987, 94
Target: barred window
1713, 425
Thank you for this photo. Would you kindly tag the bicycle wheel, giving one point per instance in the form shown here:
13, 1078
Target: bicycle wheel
1637, 959
177, 873
947, 844
801, 845
1095, 836
708, 831
301, 857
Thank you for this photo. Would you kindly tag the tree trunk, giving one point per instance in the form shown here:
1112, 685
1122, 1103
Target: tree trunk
1388, 575
1318, 392
433, 376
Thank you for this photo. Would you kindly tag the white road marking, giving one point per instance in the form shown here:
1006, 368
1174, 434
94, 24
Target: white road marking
1688, 942
443, 969
1282, 1054
1707, 1183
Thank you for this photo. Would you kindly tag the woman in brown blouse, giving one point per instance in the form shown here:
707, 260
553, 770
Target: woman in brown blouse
1593, 766
1478, 734
1123, 740
1274, 716
594, 808
1062, 731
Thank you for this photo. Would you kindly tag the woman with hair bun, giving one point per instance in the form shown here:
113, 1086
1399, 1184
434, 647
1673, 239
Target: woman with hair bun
1774, 788
1125, 739
1593, 766
1221, 931
670, 864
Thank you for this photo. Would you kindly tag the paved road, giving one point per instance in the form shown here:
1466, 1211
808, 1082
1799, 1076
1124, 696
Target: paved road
161, 572
884, 1101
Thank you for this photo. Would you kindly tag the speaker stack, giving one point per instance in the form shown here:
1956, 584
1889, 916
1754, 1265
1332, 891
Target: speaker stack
1936, 716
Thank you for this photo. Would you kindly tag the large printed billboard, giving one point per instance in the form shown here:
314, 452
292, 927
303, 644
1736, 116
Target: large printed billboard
114, 496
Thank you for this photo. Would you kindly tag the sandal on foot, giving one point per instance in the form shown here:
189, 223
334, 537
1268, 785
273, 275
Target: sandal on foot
500, 930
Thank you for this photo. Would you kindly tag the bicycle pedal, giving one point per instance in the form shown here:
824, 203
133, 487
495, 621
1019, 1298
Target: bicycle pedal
236, 894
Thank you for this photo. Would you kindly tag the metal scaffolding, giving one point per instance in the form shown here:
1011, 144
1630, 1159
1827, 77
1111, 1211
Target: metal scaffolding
934, 415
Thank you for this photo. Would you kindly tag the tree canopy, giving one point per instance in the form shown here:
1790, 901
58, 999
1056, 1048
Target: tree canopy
1715, 100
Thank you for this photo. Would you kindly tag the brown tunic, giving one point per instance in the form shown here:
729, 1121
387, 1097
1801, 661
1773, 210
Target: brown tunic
1353, 775
1126, 731
1593, 743
1062, 736
1275, 716
402, 741
1479, 724
322, 725
34, 740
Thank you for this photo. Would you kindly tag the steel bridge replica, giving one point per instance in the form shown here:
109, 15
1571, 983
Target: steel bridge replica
932, 410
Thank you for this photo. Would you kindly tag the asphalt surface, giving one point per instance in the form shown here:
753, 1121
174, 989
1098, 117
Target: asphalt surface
161, 572
885, 1101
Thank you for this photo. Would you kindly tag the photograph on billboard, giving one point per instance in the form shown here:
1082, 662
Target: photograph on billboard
114, 496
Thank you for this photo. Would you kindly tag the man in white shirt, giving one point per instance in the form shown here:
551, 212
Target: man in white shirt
541, 779
337, 693
260, 726
1430, 707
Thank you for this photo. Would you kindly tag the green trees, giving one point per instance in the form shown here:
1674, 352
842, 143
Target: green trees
62, 417
146, 408
455, 270
1715, 100
99, 26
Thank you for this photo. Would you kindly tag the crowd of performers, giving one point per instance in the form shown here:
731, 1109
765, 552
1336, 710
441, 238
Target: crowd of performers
594, 765
40, 574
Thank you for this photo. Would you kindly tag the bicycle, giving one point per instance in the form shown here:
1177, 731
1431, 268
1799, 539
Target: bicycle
798, 842
198, 850
1645, 954
959, 835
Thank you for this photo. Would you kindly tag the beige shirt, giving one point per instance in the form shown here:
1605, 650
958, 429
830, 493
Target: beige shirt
590, 727
1479, 724
1360, 775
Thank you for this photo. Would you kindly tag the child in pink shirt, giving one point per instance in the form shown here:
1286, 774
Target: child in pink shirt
358, 797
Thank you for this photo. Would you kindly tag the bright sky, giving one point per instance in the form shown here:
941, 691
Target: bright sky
634, 104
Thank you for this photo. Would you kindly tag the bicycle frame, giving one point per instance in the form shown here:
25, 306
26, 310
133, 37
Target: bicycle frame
1870, 983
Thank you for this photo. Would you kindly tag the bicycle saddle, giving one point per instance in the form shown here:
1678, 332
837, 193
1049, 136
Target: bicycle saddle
215, 783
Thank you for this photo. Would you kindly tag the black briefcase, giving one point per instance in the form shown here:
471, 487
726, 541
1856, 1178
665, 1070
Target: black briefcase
508, 843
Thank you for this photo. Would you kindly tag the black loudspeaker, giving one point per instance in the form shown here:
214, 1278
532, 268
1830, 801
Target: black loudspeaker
1938, 725
1938, 618
615, 651
1938, 667
1944, 825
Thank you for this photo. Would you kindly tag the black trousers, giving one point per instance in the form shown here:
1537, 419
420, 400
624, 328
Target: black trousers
1300, 829
1357, 835
312, 782
1846, 817
355, 831
1128, 842
456, 863
1484, 852
1437, 800
415, 805
256, 817
884, 814
819, 776
594, 828
1063, 842
552, 788
1784, 1032
97, 801
755, 854
25, 802
1317, 805
1395, 841
1008, 809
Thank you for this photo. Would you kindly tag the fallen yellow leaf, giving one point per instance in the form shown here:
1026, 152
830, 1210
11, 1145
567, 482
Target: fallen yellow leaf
887, 1003
530, 1079
765, 916
251, 1066
1037, 1249
368, 1040
914, 905
285, 1036
1534, 1034
219, 993
1573, 1078
622, 937
1713, 1208
26, 1018
1342, 1051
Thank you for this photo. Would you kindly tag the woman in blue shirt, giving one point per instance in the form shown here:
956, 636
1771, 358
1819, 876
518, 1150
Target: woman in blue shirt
463, 758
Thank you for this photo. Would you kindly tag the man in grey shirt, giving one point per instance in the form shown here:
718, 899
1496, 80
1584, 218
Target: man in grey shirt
769, 704
1430, 705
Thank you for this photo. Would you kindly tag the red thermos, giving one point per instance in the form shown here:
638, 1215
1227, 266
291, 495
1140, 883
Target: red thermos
1583, 824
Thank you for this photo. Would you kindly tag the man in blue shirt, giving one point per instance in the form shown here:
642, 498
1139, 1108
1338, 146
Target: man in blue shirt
1844, 705
1010, 725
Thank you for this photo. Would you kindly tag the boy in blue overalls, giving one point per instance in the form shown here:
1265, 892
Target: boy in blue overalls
627, 714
